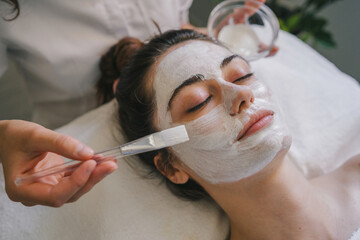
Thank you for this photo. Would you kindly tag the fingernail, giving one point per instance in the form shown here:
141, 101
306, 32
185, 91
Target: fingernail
90, 169
111, 171
84, 151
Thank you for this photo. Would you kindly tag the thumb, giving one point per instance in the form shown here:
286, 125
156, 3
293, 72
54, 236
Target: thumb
49, 141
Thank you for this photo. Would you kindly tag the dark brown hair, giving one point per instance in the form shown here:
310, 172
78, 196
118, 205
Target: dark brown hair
112, 64
16, 9
137, 100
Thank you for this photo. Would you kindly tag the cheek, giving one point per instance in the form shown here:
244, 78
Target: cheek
207, 125
213, 131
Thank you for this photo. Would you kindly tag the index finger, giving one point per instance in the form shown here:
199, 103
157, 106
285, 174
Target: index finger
46, 140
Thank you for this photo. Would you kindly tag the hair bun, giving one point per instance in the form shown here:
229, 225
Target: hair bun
111, 65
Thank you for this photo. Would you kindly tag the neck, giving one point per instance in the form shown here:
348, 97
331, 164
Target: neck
278, 202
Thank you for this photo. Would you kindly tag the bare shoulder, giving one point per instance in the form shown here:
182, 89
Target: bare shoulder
351, 165
347, 175
342, 187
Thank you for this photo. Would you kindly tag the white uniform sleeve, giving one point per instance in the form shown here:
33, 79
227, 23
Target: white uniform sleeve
184, 10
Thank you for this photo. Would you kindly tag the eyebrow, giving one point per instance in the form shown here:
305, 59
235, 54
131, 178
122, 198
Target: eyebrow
193, 79
227, 60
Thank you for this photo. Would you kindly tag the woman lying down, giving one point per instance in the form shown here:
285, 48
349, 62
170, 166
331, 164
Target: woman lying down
238, 142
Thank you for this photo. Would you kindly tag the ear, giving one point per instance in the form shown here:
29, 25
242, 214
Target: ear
115, 85
176, 174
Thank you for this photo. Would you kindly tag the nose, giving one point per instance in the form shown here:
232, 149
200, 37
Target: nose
237, 98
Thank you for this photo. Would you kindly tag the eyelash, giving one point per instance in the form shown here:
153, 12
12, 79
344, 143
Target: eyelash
197, 107
243, 77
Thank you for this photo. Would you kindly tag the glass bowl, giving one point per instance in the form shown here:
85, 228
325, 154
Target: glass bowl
247, 27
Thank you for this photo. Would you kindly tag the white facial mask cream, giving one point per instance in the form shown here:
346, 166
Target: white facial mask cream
213, 151
240, 38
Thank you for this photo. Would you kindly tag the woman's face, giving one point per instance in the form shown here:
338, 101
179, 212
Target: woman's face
234, 127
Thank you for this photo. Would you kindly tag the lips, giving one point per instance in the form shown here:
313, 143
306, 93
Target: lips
257, 121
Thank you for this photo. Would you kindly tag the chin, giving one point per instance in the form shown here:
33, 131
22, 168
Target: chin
272, 161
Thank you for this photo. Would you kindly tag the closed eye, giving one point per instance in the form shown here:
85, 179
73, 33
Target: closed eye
197, 107
243, 77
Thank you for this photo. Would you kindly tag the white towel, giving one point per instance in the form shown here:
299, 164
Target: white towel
355, 235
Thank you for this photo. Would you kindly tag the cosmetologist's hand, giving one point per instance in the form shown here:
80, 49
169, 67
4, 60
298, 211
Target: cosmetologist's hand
26, 147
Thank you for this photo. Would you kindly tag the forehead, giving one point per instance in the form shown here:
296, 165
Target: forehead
192, 58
